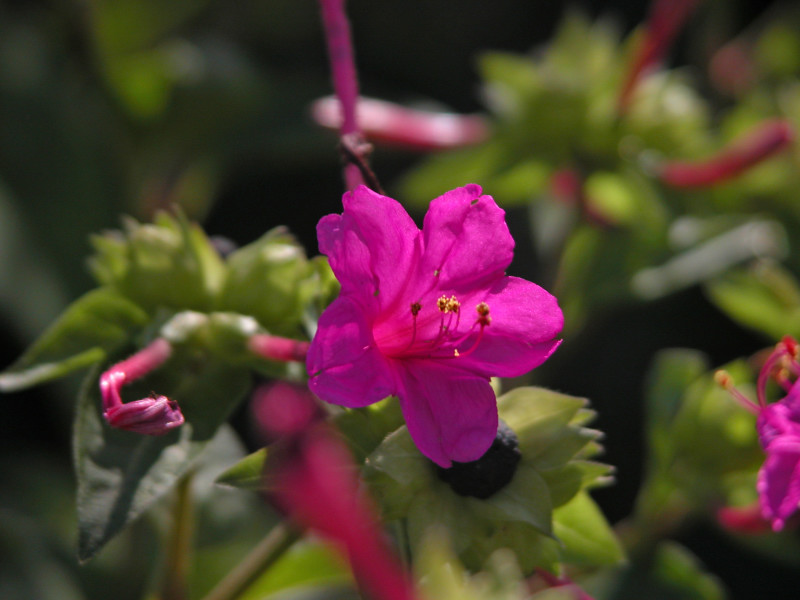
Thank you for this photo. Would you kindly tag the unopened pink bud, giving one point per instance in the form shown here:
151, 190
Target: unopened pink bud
769, 138
746, 520
156, 415
396, 125
278, 348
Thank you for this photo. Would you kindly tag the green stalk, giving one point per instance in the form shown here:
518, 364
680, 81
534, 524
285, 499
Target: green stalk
261, 558
176, 567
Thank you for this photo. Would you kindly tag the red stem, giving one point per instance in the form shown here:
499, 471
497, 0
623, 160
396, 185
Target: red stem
343, 73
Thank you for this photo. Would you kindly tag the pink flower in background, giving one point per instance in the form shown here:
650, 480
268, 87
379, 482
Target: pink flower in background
778, 427
762, 142
428, 316
312, 477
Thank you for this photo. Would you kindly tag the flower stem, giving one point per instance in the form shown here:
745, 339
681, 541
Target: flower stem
263, 556
345, 85
180, 542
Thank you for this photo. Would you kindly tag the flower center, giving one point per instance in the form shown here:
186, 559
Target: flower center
432, 333
491, 472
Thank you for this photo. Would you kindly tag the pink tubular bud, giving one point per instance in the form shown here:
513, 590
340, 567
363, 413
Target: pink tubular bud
273, 347
746, 520
156, 415
563, 582
663, 24
768, 138
396, 125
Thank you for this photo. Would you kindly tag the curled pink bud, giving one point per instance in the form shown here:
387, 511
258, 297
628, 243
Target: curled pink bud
663, 24
156, 415
396, 125
149, 416
273, 347
768, 138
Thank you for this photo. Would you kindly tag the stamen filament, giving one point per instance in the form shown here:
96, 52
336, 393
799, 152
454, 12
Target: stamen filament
725, 381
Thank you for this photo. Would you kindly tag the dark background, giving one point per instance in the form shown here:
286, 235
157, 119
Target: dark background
277, 168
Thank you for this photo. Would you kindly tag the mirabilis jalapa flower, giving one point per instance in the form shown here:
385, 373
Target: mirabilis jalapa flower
428, 316
778, 426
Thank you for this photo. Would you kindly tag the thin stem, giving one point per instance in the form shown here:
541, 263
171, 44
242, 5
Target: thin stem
262, 557
176, 569
345, 85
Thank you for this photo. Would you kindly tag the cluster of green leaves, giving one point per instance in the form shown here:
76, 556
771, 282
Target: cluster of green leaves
544, 515
167, 279
620, 234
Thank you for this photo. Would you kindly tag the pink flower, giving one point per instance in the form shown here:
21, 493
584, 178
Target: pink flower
428, 316
778, 427
312, 477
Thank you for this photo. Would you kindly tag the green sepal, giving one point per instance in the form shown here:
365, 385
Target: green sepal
166, 264
265, 279
586, 537
91, 327
120, 473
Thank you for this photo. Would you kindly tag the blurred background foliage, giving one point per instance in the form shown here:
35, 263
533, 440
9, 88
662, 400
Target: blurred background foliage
115, 107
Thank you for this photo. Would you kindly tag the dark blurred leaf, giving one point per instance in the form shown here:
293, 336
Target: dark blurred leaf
672, 573
89, 329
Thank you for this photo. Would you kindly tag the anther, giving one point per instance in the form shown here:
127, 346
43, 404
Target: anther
441, 304
415, 308
483, 314
723, 380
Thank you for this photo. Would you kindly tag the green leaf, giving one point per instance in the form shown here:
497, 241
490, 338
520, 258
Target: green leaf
307, 564
672, 373
120, 474
447, 171
765, 298
587, 538
365, 428
84, 334
248, 473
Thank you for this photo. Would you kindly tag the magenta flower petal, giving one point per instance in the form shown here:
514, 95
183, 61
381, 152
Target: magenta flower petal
372, 247
428, 316
344, 365
525, 319
779, 481
464, 219
451, 414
